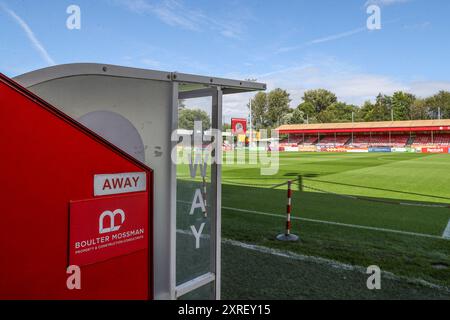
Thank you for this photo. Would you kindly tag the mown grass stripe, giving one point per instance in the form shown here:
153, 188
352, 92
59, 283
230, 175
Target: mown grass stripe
323, 261
339, 224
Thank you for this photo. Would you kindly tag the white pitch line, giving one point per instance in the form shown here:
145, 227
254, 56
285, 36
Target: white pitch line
423, 235
407, 233
446, 234
330, 263
322, 261
423, 205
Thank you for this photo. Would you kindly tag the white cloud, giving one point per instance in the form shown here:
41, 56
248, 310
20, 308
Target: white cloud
418, 26
427, 88
324, 39
338, 36
174, 13
30, 34
385, 2
235, 106
151, 62
348, 83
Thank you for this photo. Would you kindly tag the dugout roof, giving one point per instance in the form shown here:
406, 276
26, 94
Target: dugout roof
380, 126
191, 85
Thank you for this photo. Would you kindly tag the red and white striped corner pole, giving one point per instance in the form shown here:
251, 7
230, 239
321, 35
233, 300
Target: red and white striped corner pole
205, 204
288, 236
288, 209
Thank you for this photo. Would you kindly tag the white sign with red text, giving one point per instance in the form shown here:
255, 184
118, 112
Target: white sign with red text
108, 184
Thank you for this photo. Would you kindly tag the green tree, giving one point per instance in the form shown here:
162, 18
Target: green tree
187, 117
420, 110
337, 112
298, 117
364, 113
286, 118
320, 99
309, 111
440, 100
381, 110
320, 106
402, 104
278, 106
259, 109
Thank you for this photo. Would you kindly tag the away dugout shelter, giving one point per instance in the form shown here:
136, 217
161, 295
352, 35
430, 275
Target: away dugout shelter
135, 112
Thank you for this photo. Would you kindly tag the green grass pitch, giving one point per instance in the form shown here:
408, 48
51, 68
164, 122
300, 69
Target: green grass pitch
372, 229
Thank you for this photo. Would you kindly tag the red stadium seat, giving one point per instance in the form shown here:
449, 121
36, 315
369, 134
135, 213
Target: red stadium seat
441, 139
334, 141
382, 140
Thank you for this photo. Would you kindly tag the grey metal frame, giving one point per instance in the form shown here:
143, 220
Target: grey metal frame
173, 198
216, 180
194, 284
82, 69
233, 86
200, 93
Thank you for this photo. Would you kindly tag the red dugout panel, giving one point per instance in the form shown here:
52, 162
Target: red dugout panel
69, 197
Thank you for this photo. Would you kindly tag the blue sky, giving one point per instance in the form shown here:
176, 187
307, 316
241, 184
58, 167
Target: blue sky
296, 45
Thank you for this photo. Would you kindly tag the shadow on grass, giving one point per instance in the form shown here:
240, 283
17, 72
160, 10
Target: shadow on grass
368, 211
379, 189
256, 275
271, 277
305, 178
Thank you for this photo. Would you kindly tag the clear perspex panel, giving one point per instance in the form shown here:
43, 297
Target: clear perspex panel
196, 200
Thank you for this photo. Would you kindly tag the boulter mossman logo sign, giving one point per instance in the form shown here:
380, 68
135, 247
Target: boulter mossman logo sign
111, 216
109, 184
107, 227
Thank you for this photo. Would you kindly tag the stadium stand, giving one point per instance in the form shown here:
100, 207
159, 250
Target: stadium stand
334, 141
422, 140
375, 134
295, 139
442, 139
436, 139
298, 140
310, 140
381, 140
